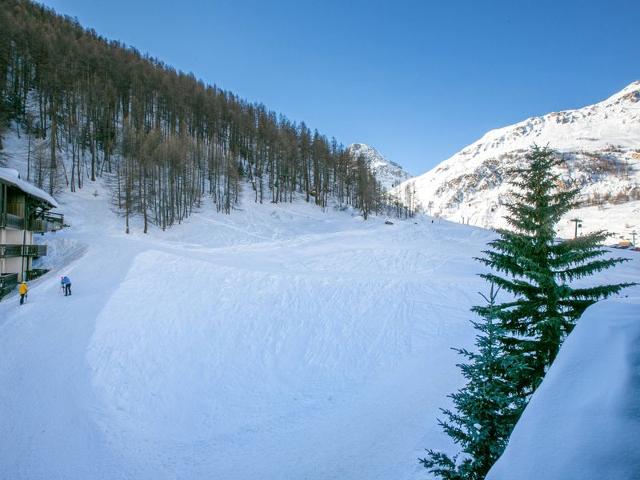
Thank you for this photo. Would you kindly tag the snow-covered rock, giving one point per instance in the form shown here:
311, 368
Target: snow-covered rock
600, 145
388, 173
583, 423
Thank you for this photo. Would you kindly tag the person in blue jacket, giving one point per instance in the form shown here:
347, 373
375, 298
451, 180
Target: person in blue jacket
65, 282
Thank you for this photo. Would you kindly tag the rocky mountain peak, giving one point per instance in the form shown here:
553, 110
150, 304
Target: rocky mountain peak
388, 173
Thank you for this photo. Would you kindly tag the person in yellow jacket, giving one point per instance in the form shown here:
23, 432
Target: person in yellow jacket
22, 290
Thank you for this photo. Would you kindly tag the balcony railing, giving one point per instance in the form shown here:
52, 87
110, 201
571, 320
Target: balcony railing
23, 250
44, 222
48, 222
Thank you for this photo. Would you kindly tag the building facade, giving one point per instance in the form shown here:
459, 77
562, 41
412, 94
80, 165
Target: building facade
24, 211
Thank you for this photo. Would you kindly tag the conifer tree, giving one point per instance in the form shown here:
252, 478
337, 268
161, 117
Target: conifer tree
486, 408
538, 270
520, 338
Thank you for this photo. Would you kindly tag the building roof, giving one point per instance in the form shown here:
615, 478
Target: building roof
12, 177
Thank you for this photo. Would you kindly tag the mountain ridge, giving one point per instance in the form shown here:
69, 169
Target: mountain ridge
600, 148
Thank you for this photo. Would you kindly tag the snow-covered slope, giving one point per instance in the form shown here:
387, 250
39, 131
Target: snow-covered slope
388, 173
280, 342
583, 423
277, 342
600, 145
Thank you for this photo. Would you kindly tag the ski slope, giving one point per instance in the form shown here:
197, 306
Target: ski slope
279, 342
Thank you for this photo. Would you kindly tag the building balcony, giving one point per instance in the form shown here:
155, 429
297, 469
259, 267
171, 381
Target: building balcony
22, 251
47, 222
44, 222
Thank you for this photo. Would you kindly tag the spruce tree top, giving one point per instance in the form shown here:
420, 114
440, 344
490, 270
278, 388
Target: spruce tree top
538, 270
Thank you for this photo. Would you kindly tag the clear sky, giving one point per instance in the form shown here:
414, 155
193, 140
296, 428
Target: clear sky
418, 80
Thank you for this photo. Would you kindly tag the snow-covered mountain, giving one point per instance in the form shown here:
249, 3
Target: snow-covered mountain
600, 145
388, 173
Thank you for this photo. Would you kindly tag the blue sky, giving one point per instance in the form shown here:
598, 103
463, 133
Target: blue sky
418, 80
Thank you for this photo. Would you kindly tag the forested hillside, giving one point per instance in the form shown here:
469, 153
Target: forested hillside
162, 139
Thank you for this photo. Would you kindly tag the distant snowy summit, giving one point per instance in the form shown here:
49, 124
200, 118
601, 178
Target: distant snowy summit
600, 146
388, 173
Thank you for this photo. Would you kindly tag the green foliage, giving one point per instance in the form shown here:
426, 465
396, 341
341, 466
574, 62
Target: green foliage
486, 408
520, 338
538, 270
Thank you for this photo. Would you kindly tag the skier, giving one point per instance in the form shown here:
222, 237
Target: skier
66, 285
22, 290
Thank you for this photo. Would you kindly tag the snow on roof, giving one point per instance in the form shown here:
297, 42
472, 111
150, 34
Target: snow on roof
12, 177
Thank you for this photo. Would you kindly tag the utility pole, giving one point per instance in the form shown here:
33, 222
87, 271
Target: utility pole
633, 236
577, 224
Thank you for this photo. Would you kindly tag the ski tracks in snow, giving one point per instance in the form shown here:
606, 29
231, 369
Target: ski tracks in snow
183, 354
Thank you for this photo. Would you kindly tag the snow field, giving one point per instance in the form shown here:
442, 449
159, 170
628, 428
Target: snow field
265, 350
279, 342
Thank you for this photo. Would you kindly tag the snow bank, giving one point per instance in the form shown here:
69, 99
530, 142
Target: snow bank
583, 423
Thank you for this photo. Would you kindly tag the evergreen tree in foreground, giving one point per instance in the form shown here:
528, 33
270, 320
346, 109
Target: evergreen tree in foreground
486, 408
538, 270
520, 338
